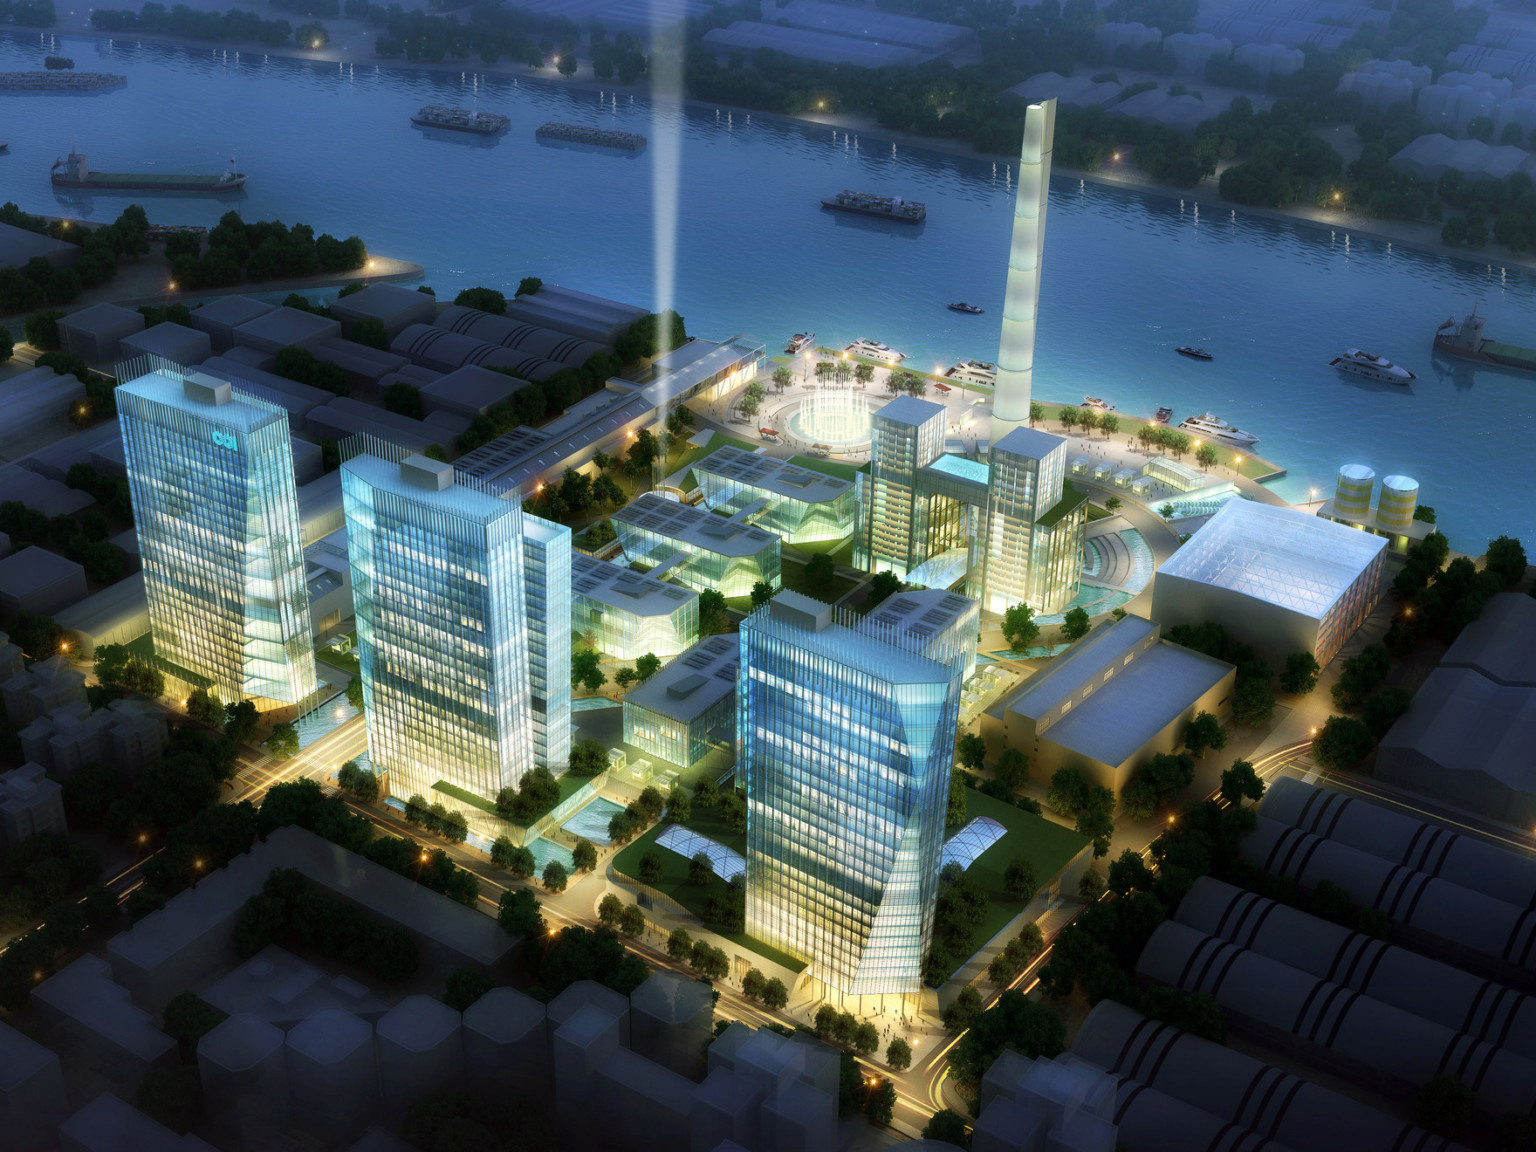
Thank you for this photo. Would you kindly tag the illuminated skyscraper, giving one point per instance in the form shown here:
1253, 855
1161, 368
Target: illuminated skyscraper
1021, 302
547, 594
846, 731
438, 582
1033, 547
907, 435
210, 472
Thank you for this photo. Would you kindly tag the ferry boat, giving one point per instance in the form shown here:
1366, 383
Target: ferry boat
1098, 404
1466, 341
973, 372
968, 309
885, 207
460, 120
1372, 367
1194, 353
1163, 416
875, 351
1215, 428
76, 174
799, 342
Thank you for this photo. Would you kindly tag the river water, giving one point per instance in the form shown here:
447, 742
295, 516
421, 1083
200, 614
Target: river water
1128, 277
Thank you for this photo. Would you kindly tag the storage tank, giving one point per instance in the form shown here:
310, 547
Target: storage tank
1399, 497
1352, 497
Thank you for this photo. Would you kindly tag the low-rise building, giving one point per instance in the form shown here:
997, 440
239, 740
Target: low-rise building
708, 552
628, 614
681, 711
1111, 703
29, 803
36, 580
800, 505
1277, 579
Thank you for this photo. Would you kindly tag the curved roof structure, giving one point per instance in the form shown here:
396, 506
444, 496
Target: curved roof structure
1238, 1088
725, 861
1393, 836
1373, 1038
966, 846
530, 339
1482, 1008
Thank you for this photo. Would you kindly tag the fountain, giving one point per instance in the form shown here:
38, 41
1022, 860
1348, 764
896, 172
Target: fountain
833, 416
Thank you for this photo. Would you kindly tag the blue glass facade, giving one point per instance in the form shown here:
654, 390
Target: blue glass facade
547, 596
210, 473
846, 740
442, 626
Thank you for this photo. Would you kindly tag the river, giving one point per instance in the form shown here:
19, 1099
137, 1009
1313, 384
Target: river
1128, 276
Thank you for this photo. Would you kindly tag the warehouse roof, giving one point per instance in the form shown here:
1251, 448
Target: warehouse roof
1501, 643
1288, 558
750, 35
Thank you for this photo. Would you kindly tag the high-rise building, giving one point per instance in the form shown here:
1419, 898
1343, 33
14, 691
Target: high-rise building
906, 436
443, 625
846, 731
1035, 523
210, 472
547, 594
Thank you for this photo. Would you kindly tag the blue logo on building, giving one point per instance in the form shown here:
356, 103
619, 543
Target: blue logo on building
226, 440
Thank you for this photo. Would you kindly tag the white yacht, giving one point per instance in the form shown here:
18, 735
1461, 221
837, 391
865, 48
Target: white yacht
799, 342
1372, 367
875, 351
1098, 404
973, 372
1215, 428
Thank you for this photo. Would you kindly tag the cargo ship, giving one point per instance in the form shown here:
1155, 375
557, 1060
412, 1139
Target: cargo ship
461, 120
76, 174
1466, 340
594, 137
885, 207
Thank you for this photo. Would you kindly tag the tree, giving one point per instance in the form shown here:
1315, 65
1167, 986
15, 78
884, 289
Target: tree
762, 592
1019, 628
962, 1010
364, 786
881, 1104
775, 995
971, 751
241, 721
752, 984
954, 814
1069, 791
1090, 885
709, 962
1012, 771
1097, 820
898, 1055
516, 860
1299, 675
283, 743
1253, 702
1128, 873
1109, 422
609, 909
865, 1040
1240, 782
1074, 625
585, 672
820, 572
555, 876
1506, 559
1382, 709
632, 921
187, 1019
588, 757
679, 945
1068, 417
1112, 504
465, 986
205, 709
1341, 743
354, 692
882, 586
1032, 1029
1443, 1106
700, 870
647, 666
1205, 455
650, 868
948, 1126
626, 678
519, 914
42, 329
482, 299
1036, 412
712, 613
173, 1096
584, 856
1204, 733
1019, 880
783, 376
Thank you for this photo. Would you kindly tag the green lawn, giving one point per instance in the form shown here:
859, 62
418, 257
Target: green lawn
144, 648
840, 550
688, 455
1046, 845
1097, 513
674, 881
793, 576
464, 797
1247, 463
826, 467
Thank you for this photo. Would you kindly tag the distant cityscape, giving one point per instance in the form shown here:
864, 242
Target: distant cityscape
520, 721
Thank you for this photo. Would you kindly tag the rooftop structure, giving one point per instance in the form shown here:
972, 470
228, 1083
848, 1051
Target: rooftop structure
1116, 699
391, 305
701, 369
95, 333
1278, 579
680, 711
29, 803
442, 626
846, 731
210, 470
37, 580
799, 505
110, 1124
18, 245
716, 553
629, 613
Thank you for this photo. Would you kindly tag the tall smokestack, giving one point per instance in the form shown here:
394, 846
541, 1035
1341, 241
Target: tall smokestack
1016, 351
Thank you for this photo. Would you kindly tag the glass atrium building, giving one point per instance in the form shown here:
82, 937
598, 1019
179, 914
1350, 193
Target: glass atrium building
846, 735
688, 707
442, 627
705, 551
627, 613
798, 505
210, 472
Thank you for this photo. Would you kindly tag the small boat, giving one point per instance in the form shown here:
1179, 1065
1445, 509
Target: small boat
1194, 353
1163, 416
875, 351
1360, 363
799, 342
1218, 429
973, 372
968, 309
1098, 404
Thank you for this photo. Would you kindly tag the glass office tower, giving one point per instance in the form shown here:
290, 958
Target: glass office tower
1035, 524
442, 627
547, 594
907, 436
846, 732
210, 472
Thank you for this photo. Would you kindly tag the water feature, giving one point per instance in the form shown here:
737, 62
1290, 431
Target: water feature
591, 822
833, 416
323, 719
546, 850
1128, 277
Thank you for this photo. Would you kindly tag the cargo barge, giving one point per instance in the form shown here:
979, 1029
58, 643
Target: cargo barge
884, 207
598, 137
76, 174
59, 81
461, 120
1466, 340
